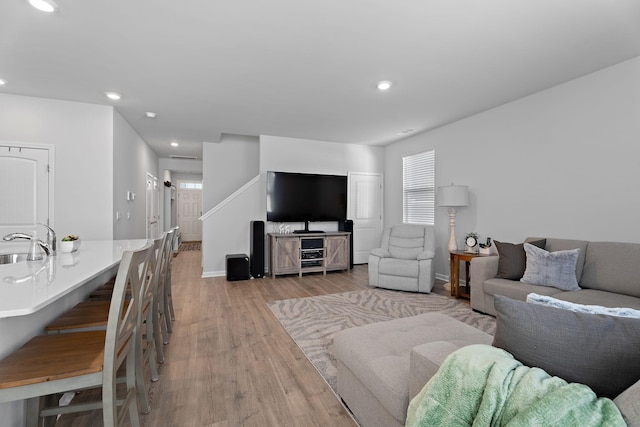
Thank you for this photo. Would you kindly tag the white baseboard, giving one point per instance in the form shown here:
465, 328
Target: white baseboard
442, 277
223, 273
206, 274
446, 279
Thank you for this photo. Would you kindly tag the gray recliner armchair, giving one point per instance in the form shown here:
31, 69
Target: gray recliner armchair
405, 259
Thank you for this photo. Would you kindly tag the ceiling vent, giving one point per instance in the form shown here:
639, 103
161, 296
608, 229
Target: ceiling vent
177, 156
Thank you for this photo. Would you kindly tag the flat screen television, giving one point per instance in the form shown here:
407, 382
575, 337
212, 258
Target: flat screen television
298, 197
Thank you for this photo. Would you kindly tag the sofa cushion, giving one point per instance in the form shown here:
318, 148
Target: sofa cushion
516, 290
596, 350
629, 405
399, 267
612, 267
557, 269
512, 259
604, 298
378, 354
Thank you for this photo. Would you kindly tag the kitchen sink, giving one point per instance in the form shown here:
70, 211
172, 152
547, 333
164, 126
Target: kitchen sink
12, 258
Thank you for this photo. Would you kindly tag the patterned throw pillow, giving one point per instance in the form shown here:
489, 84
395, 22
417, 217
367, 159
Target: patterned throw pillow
555, 269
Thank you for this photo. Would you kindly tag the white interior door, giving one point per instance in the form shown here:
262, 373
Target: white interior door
25, 187
365, 210
190, 210
153, 207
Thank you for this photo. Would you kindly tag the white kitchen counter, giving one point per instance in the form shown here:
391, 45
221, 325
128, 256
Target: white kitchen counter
29, 286
33, 293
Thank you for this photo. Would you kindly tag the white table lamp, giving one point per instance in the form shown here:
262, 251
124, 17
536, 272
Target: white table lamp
453, 196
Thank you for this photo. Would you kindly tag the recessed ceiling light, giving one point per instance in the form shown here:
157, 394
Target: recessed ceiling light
406, 132
113, 95
3, 82
384, 85
174, 144
150, 114
44, 5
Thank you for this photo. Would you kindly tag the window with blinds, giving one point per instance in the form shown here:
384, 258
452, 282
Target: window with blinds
419, 188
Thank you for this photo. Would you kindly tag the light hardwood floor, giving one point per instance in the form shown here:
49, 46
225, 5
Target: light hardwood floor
230, 362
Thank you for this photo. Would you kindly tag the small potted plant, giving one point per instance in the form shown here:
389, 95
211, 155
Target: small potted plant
70, 243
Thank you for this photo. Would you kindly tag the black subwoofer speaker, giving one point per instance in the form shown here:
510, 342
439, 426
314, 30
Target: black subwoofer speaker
257, 249
237, 267
347, 225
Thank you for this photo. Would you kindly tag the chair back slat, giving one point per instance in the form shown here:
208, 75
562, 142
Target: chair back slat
167, 253
121, 327
151, 285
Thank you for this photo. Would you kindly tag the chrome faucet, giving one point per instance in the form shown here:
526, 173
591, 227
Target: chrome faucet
49, 247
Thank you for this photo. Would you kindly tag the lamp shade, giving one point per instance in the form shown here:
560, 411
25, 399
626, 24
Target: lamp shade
453, 195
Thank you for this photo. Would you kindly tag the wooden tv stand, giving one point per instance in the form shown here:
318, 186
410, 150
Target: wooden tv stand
308, 252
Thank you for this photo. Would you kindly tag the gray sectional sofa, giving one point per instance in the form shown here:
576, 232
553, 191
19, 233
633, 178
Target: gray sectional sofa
382, 366
608, 274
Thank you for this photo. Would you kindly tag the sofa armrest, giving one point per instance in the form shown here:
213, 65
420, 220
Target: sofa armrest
424, 362
482, 269
381, 253
426, 255
628, 402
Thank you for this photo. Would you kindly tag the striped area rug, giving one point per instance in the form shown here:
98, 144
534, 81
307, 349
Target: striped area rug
190, 246
312, 322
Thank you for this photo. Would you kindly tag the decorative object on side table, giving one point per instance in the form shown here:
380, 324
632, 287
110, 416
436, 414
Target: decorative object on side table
485, 248
453, 196
470, 243
70, 243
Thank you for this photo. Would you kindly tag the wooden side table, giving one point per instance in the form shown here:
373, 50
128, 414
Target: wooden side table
454, 272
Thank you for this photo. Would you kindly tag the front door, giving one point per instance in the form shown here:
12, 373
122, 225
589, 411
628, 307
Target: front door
190, 210
365, 210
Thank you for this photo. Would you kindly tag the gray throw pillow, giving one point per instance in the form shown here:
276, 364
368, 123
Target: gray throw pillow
512, 259
555, 269
593, 349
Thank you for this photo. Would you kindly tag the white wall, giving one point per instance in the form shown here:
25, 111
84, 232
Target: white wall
227, 231
227, 166
82, 135
308, 156
180, 165
133, 159
175, 177
562, 163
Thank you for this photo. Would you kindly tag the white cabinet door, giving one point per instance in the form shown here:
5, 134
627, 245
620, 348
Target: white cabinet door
365, 210
24, 187
152, 207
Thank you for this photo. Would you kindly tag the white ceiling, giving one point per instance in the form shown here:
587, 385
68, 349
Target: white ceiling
306, 69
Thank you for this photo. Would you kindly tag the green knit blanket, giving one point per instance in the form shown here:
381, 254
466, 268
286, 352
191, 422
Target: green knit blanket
480, 385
